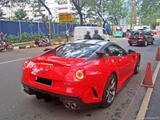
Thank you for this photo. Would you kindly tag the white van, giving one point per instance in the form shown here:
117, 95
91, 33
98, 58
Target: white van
80, 32
143, 27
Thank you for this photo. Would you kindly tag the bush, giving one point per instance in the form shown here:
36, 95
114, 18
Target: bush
63, 35
12, 38
25, 37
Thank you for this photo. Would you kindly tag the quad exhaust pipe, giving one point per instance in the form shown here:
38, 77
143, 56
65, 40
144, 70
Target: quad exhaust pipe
67, 105
74, 106
71, 105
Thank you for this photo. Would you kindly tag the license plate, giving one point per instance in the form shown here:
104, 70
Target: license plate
44, 81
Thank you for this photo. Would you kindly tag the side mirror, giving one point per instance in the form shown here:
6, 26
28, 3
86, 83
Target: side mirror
131, 51
47, 49
100, 53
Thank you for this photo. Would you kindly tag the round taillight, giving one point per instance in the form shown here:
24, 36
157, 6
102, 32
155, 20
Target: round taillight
25, 63
79, 74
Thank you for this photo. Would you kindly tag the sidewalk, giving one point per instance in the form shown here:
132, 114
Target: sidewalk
33, 45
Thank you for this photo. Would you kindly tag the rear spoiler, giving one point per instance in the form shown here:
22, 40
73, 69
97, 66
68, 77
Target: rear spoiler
52, 50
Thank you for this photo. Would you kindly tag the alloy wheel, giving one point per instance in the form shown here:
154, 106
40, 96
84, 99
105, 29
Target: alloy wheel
111, 91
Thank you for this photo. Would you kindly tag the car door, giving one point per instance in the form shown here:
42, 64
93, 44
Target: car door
122, 60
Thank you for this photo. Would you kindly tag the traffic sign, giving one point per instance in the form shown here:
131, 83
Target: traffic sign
158, 20
64, 17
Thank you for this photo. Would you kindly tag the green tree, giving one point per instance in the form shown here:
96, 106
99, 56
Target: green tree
80, 6
95, 11
3, 3
46, 18
131, 20
150, 11
20, 14
109, 11
37, 6
13, 3
116, 11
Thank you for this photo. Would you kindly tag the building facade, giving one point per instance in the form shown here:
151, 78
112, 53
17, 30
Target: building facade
63, 6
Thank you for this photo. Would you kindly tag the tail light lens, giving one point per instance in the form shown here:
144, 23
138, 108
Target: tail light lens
79, 75
25, 63
141, 37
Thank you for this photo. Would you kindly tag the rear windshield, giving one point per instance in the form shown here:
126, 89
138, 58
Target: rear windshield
76, 50
136, 34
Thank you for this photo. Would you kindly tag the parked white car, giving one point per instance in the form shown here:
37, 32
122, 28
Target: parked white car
143, 27
80, 31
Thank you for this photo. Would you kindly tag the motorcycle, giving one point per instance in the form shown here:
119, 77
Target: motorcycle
6, 46
42, 42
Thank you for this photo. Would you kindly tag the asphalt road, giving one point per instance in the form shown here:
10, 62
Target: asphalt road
17, 105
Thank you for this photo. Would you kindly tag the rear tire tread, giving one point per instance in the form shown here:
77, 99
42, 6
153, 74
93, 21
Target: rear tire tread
104, 103
136, 70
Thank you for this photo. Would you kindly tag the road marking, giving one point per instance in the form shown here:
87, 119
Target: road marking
144, 105
1, 63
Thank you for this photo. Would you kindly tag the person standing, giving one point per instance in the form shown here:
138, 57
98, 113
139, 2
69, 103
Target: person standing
96, 36
67, 34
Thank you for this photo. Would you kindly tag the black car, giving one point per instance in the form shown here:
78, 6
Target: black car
141, 38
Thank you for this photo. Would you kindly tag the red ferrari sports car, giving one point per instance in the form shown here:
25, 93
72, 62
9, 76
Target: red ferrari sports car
80, 72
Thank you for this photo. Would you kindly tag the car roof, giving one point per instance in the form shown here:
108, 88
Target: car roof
89, 27
98, 42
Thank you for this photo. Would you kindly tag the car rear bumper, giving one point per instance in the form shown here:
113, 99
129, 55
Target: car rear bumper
137, 42
31, 90
83, 90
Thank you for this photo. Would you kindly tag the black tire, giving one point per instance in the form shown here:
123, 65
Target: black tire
152, 42
109, 91
136, 69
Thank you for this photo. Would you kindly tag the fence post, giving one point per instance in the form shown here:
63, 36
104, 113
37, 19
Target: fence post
20, 30
57, 31
72, 28
38, 27
54, 29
